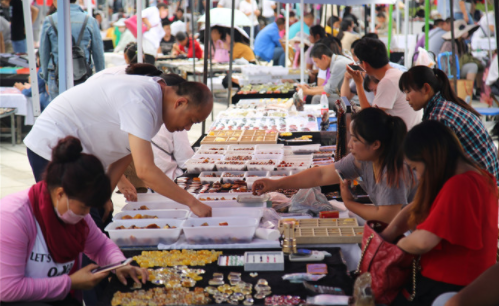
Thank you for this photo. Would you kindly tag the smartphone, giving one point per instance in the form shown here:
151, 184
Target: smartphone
112, 266
340, 175
355, 67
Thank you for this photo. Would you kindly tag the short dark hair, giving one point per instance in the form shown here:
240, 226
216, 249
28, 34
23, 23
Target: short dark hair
81, 175
181, 36
280, 21
308, 15
291, 14
381, 15
72, 1
180, 10
162, 5
332, 20
345, 24
332, 43
318, 50
165, 22
222, 31
372, 51
372, 35
438, 22
317, 30
355, 42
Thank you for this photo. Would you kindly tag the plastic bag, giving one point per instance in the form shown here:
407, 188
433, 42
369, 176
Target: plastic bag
424, 59
300, 277
310, 201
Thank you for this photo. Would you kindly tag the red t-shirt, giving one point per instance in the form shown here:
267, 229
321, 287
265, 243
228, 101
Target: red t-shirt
464, 215
197, 48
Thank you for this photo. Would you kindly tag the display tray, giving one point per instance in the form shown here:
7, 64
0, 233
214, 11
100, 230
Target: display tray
324, 231
337, 276
237, 97
240, 137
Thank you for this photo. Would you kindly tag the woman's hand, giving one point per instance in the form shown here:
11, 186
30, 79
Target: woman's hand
19, 86
131, 271
200, 209
347, 76
346, 194
356, 75
83, 279
127, 189
264, 185
108, 209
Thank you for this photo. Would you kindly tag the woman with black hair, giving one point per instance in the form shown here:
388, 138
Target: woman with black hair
453, 217
184, 46
430, 90
375, 157
44, 229
220, 47
116, 117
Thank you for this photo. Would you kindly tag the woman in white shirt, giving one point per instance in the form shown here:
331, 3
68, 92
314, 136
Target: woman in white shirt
115, 117
250, 9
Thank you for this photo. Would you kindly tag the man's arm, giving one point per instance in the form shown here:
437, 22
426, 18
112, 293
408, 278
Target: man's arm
462, 7
345, 87
34, 13
337, 73
45, 49
359, 80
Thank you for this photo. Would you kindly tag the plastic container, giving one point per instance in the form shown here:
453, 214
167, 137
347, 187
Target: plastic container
279, 174
211, 147
205, 180
180, 214
145, 237
208, 152
168, 204
231, 166
305, 149
253, 165
247, 212
150, 197
238, 230
197, 166
269, 154
242, 148
269, 147
295, 165
218, 196
211, 157
230, 155
251, 179
229, 179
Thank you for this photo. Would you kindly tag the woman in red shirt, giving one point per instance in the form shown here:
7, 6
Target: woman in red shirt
184, 46
454, 215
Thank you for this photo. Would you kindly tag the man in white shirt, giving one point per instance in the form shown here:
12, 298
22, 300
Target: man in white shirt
250, 9
373, 58
268, 7
151, 17
227, 3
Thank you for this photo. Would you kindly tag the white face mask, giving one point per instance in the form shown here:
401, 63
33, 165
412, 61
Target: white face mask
69, 217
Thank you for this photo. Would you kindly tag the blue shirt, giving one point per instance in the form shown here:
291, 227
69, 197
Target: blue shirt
91, 41
44, 96
266, 41
295, 28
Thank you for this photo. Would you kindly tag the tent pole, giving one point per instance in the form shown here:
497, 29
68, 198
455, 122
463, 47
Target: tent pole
487, 19
207, 54
252, 28
365, 19
426, 22
35, 97
453, 45
302, 45
231, 59
390, 28
64, 28
406, 34
373, 17
397, 13
88, 3
193, 9
496, 15
140, 53
286, 48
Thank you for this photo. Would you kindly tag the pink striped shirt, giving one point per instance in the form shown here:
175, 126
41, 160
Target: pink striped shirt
17, 237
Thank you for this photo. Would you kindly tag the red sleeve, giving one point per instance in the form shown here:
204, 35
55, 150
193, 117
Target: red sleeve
455, 215
199, 51
181, 47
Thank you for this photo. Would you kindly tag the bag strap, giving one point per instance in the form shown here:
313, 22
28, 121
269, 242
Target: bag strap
363, 253
83, 27
53, 24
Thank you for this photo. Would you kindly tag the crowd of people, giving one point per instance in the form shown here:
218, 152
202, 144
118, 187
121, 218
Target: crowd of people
421, 153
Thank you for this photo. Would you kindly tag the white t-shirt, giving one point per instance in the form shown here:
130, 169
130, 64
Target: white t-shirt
267, 10
389, 97
246, 8
156, 32
493, 72
117, 70
101, 113
228, 3
322, 74
171, 151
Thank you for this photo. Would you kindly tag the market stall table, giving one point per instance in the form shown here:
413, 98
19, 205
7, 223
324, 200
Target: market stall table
11, 97
337, 276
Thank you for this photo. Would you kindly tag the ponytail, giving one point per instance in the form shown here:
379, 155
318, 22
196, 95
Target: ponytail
417, 76
373, 124
131, 52
143, 69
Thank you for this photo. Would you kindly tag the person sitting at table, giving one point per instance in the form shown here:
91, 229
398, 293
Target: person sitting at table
268, 43
44, 229
220, 47
430, 90
241, 47
373, 59
453, 217
324, 59
42, 89
375, 156
118, 117
167, 42
184, 46
317, 33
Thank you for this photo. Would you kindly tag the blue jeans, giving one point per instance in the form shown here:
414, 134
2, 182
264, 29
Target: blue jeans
38, 164
279, 56
20, 46
53, 86
460, 15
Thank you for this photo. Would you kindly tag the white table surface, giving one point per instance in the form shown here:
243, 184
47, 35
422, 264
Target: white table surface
11, 97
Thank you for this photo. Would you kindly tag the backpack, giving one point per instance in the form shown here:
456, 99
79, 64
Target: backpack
81, 69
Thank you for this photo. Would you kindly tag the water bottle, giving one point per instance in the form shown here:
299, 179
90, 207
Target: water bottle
324, 104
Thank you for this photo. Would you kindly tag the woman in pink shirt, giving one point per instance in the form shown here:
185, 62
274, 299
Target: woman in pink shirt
44, 229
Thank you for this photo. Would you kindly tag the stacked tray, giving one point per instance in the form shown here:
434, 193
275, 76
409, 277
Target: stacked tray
326, 231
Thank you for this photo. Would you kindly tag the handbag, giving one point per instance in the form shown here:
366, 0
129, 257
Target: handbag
131, 24
390, 267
